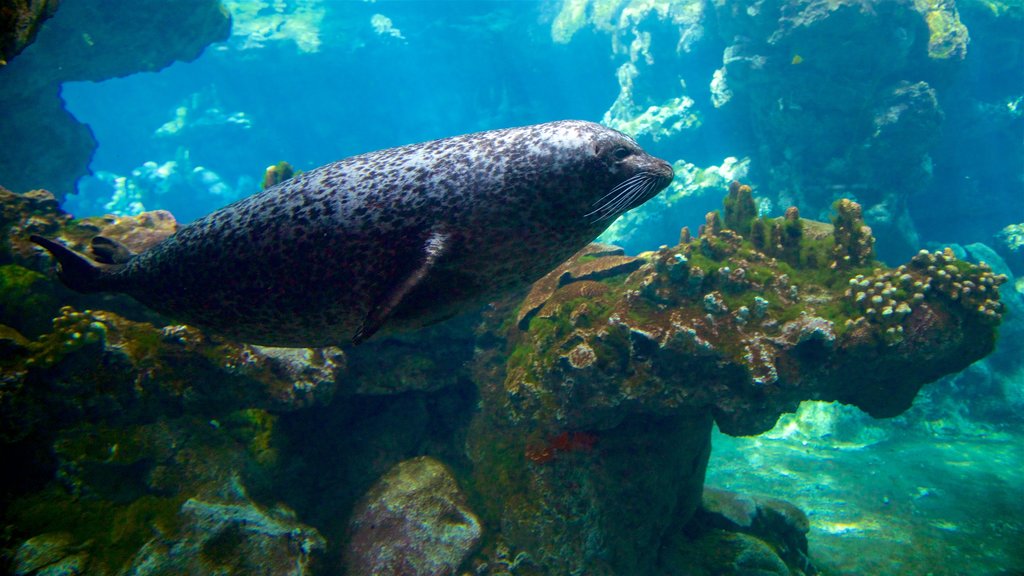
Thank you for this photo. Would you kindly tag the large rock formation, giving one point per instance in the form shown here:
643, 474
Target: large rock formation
88, 41
19, 23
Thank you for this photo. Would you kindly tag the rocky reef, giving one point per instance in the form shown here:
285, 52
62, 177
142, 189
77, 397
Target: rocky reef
906, 107
566, 431
87, 41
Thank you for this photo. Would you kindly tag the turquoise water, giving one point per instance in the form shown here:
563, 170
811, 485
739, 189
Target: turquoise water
914, 109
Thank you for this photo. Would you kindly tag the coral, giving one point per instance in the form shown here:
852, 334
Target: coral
1009, 242
277, 173
256, 24
561, 444
656, 122
948, 37
740, 209
854, 244
383, 26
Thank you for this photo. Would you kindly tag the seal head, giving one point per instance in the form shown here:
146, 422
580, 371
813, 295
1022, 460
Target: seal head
390, 240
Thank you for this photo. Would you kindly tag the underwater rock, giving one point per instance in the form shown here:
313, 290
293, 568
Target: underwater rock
783, 68
771, 520
229, 537
20, 21
1010, 244
724, 553
37, 212
414, 521
710, 328
544, 288
47, 554
98, 366
89, 41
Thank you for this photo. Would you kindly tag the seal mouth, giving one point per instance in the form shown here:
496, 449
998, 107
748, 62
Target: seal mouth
630, 193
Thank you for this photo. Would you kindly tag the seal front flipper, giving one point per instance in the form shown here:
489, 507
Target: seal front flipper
76, 271
434, 247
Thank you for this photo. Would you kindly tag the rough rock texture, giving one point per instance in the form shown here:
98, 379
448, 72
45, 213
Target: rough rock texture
801, 93
777, 523
413, 522
19, 23
597, 386
578, 420
89, 41
232, 536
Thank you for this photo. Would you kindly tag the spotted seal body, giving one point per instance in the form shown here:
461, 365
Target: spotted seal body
394, 239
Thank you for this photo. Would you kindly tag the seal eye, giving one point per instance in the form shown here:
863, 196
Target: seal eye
621, 153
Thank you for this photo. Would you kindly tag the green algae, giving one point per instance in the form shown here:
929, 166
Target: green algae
110, 533
25, 298
255, 429
948, 37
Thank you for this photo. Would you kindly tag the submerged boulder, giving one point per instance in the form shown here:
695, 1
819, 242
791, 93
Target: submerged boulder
233, 537
413, 522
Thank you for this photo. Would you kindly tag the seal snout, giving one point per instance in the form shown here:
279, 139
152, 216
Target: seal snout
664, 170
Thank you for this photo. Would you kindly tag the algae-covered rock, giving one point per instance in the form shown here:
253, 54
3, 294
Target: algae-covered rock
722, 553
97, 366
42, 554
233, 537
711, 328
413, 522
773, 521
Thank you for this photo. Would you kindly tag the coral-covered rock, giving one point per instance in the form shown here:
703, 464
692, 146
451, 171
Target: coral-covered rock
96, 365
89, 41
37, 212
413, 522
710, 328
859, 120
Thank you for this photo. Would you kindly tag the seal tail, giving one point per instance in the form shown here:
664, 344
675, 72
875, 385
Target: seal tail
76, 271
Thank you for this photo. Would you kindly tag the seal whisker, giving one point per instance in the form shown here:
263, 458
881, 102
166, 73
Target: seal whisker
636, 192
620, 186
625, 194
614, 198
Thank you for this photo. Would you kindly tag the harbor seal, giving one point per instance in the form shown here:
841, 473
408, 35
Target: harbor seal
395, 239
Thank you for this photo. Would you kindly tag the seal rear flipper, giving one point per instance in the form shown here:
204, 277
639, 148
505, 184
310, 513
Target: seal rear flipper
110, 251
433, 249
75, 270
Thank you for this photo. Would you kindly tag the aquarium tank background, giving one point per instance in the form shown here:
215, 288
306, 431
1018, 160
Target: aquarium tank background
570, 432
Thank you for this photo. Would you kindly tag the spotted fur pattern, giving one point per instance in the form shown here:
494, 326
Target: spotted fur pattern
304, 262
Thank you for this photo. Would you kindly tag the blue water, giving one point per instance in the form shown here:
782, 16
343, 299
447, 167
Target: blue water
339, 86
